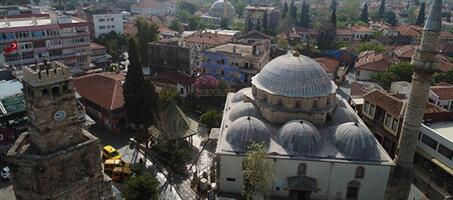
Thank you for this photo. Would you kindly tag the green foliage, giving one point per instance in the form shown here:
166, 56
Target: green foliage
175, 25
397, 72
183, 15
211, 119
349, 11
257, 171
305, 15
238, 25
285, 10
113, 43
239, 6
140, 99
364, 14
333, 5
443, 77
224, 24
146, 32
193, 22
371, 46
390, 17
187, 6
421, 15
168, 94
382, 10
286, 23
141, 188
293, 10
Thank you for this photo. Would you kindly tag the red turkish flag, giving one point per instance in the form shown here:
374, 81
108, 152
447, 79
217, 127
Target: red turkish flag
11, 47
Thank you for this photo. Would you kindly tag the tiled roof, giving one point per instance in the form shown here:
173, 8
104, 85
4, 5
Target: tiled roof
344, 32
386, 101
404, 51
329, 64
94, 46
363, 29
173, 77
444, 92
209, 38
432, 108
103, 89
444, 64
369, 60
409, 30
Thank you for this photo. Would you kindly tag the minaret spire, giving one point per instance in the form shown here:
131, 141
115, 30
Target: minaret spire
425, 64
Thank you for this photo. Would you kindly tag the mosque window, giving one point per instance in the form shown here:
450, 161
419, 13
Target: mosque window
352, 192
359, 172
45, 92
315, 103
280, 102
55, 91
302, 169
297, 104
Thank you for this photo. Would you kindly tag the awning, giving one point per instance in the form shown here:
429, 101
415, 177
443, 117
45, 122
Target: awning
434, 160
302, 183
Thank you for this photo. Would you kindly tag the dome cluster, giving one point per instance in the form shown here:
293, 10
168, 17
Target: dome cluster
299, 137
243, 110
354, 139
244, 131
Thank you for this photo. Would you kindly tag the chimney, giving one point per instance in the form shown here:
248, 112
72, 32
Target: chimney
234, 49
254, 51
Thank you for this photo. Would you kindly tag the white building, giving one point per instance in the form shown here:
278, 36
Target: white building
106, 23
154, 7
319, 147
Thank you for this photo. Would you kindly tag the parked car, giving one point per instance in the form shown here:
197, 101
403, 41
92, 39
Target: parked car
4, 173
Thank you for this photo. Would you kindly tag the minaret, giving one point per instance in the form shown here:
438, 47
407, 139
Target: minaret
425, 64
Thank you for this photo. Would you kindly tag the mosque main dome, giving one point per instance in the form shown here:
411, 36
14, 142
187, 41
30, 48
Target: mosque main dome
217, 9
294, 75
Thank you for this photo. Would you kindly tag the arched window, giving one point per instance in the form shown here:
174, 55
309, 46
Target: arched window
297, 104
315, 103
302, 169
352, 192
55, 91
359, 172
65, 87
280, 102
45, 92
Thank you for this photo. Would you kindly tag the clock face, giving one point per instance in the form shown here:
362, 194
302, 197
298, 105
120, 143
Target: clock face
59, 115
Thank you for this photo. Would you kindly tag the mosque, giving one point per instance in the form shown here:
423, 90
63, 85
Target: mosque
319, 147
220, 10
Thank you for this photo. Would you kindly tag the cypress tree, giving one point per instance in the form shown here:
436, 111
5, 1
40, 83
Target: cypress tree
390, 18
249, 23
333, 5
265, 21
364, 14
285, 10
302, 17
305, 16
382, 9
293, 10
138, 97
333, 19
421, 15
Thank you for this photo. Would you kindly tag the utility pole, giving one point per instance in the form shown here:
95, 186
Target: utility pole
425, 65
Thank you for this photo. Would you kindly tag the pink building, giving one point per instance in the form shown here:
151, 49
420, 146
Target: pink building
52, 37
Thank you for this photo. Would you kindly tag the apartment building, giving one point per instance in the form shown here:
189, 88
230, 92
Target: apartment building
106, 23
53, 37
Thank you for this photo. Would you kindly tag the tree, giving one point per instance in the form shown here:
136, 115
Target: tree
421, 15
333, 5
443, 77
390, 18
139, 100
382, 9
239, 6
193, 22
146, 32
187, 6
328, 35
371, 46
141, 188
305, 16
285, 10
293, 10
175, 25
211, 119
113, 42
364, 14
416, 2
167, 95
264, 24
333, 19
257, 171
448, 16
224, 23
183, 15
397, 72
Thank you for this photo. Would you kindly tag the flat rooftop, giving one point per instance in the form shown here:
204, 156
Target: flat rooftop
26, 22
444, 129
244, 50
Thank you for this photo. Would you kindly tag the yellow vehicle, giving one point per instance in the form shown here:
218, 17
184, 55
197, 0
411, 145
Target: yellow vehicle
108, 152
111, 164
121, 173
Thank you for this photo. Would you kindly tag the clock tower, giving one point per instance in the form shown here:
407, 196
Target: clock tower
56, 158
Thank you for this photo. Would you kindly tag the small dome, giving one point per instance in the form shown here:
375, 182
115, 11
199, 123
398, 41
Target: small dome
342, 115
299, 137
244, 110
217, 9
355, 139
293, 75
238, 96
246, 130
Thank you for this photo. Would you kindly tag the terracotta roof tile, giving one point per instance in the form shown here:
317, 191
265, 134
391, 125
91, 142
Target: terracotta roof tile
432, 108
404, 51
96, 46
363, 29
409, 30
357, 89
369, 60
386, 101
103, 89
173, 77
444, 92
344, 32
329, 64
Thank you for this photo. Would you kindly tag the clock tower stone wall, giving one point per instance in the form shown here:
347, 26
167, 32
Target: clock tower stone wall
56, 158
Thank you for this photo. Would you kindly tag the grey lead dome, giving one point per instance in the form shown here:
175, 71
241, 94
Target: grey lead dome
216, 9
246, 130
294, 76
299, 137
355, 139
